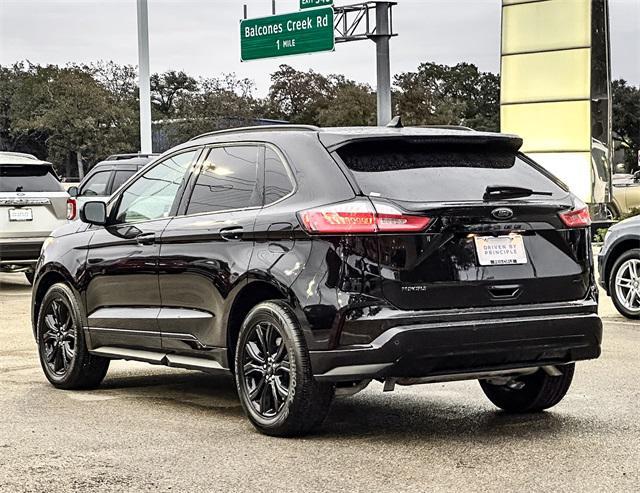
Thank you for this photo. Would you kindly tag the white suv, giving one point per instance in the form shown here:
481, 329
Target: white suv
32, 204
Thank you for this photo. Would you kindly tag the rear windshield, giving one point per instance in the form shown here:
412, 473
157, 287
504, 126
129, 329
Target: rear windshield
428, 172
28, 178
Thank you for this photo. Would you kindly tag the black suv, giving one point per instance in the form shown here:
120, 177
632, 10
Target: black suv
308, 262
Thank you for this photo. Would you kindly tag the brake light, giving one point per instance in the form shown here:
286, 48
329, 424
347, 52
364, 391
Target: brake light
360, 217
577, 218
72, 209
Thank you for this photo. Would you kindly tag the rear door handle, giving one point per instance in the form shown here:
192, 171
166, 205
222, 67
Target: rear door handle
231, 234
146, 239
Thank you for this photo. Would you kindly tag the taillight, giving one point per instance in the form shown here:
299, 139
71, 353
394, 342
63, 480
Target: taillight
359, 216
72, 209
577, 218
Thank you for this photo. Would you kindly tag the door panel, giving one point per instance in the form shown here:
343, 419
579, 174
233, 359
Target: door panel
205, 254
123, 295
122, 273
202, 262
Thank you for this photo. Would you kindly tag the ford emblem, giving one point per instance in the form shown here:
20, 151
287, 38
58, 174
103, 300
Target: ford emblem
502, 213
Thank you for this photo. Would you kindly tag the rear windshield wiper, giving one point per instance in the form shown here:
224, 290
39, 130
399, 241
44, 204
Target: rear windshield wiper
498, 192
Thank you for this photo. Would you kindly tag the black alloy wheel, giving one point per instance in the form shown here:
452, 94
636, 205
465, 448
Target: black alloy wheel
63, 352
266, 369
59, 336
273, 373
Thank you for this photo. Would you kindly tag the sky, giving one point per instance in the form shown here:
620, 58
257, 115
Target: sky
201, 37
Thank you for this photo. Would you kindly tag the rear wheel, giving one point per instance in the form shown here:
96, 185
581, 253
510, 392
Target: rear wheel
64, 356
273, 374
530, 393
624, 283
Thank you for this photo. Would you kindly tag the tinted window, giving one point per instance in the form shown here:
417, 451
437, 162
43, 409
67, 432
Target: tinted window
96, 184
227, 180
276, 180
424, 172
28, 178
120, 178
152, 194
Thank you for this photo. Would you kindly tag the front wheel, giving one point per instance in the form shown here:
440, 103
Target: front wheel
624, 283
531, 393
64, 356
273, 374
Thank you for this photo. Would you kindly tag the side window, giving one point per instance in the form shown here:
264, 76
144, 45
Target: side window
120, 177
227, 180
277, 183
152, 194
96, 184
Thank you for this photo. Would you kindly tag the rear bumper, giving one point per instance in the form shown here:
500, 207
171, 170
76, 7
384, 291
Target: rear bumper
467, 346
20, 251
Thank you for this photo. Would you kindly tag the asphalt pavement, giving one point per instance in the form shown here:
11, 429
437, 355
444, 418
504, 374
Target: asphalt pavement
150, 428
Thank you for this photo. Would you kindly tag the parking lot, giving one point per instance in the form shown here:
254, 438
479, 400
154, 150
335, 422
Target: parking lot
159, 429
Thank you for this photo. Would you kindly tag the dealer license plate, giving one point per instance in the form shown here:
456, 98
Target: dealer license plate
501, 250
20, 215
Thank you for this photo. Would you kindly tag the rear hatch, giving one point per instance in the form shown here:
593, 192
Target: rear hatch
32, 200
479, 249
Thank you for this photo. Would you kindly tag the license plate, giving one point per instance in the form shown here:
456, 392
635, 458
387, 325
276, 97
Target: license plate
501, 250
20, 215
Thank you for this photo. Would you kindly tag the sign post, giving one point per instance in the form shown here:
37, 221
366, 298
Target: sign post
287, 34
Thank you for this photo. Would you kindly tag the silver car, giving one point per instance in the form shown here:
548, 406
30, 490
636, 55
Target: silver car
33, 203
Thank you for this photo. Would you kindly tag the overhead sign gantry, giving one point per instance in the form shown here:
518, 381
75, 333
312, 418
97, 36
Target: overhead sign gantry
317, 28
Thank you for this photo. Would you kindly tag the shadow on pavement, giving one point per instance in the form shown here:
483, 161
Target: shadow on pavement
368, 415
408, 418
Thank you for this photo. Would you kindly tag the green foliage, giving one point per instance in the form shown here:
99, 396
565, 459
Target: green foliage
69, 110
60, 113
626, 118
312, 98
443, 95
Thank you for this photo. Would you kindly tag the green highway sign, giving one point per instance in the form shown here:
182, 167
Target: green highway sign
287, 34
309, 4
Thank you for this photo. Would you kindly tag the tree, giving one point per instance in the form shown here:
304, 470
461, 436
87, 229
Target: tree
297, 96
626, 117
351, 104
316, 99
443, 95
72, 109
166, 88
218, 103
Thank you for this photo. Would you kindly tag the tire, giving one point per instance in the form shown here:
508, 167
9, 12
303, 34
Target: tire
29, 275
62, 348
630, 308
540, 391
278, 392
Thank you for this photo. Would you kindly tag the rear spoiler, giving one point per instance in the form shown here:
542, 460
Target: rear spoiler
502, 142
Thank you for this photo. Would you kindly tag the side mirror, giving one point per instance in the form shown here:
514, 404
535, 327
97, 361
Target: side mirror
73, 191
94, 213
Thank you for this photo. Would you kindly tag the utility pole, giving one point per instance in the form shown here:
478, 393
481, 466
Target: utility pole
144, 77
383, 63
355, 22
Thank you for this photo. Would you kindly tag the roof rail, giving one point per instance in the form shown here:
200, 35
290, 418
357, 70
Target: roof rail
131, 155
449, 127
258, 128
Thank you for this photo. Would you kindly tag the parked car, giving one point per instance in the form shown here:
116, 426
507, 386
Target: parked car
619, 266
106, 177
308, 262
32, 204
626, 193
